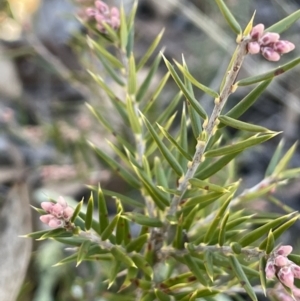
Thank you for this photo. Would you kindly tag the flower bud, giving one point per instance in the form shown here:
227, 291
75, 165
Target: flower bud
253, 47
67, 213
257, 31
268, 38
57, 210
47, 206
46, 218
286, 277
283, 46
62, 202
281, 261
270, 270
114, 12
115, 22
55, 223
270, 54
284, 250
102, 7
90, 12
296, 270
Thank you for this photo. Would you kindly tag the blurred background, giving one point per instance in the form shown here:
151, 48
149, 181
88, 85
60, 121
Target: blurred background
44, 122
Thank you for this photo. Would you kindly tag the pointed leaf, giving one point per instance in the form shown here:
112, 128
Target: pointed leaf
249, 25
194, 268
281, 165
76, 211
175, 143
254, 235
83, 251
270, 242
194, 81
137, 243
150, 50
161, 296
240, 125
209, 265
132, 14
275, 159
143, 219
132, 76
164, 150
268, 75
185, 91
120, 231
116, 265
120, 255
102, 51
123, 29
89, 213
241, 276
142, 264
232, 22
240, 146
285, 23
223, 230
110, 227
262, 273
132, 114
207, 186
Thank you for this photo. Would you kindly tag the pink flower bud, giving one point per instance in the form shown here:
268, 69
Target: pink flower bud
286, 276
270, 54
90, 12
100, 18
46, 218
114, 12
57, 210
257, 31
102, 7
281, 261
283, 46
55, 223
268, 38
296, 270
284, 250
115, 22
62, 202
253, 47
68, 212
47, 206
270, 270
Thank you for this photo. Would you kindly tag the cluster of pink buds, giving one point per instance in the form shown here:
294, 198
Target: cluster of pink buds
58, 214
268, 44
279, 293
279, 265
101, 13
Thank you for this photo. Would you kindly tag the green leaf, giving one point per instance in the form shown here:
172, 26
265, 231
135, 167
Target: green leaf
123, 29
150, 50
143, 220
131, 76
232, 22
240, 125
256, 234
110, 227
192, 101
222, 232
132, 114
127, 176
281, 165
249, 25
159, 198
201, 200
161, 296
83, 251
114, 75
146, 83
116, 265
275, 158
209, 265
290, 173
102, 51
36, 235
240, 146
164, 150
241, 276
270, 242
59, 232
214, 167
285, 23
278, 232
268, 75
203, 292
89, 213
143, 265
224, 201
194, 268
183, 141
247, 101
195, 82
76, 211
160, 174
207, 186
262, 273
120, 255
175, 143
137, 243
132, 14
120, 231
110, 32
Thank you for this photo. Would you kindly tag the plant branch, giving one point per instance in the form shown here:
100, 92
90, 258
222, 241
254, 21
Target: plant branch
209, 129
